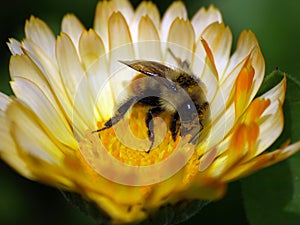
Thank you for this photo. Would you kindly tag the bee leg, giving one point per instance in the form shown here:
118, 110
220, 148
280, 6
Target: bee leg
149, 123
174, 125
195, 137
121, 111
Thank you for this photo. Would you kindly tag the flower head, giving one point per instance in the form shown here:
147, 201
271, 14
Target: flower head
68, 87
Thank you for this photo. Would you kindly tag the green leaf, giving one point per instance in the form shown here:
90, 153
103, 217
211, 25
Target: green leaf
272, 196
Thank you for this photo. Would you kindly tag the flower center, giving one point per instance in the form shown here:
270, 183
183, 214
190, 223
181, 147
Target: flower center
128, 141
120, 153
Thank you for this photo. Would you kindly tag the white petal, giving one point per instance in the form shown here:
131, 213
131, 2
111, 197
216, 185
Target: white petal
209, 79
121, 49
199, 59
42, 107
125, 7
23, 66
270, 127
50, 71
182, 46
30, 136
15, 47
8, 149
4, 101
75, 82
104, 10
73, 27
145, 9
227, 86
149, 45
38, 32
219, 39
176, 10
118, 31
245, 44
222, 122
101, 88
203, 18
258, 63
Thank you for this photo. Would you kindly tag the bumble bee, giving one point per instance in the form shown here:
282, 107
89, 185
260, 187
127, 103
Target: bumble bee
176, 91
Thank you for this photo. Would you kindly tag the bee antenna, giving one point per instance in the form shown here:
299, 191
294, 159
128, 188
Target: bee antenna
177, 59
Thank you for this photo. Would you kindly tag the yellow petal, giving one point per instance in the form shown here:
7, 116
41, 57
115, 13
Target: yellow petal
261, 162
91, 48
249, 80
162, 191
203, 188
255, 110
121, 213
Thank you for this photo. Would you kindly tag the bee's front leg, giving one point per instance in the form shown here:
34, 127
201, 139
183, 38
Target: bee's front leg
150, 114
120, 113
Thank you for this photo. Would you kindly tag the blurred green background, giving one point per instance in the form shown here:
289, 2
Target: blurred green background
276, 25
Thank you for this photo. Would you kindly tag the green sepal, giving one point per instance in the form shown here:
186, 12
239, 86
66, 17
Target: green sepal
88, 208
165, 215
270, 81
175, 214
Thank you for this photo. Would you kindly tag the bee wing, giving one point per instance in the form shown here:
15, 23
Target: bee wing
149, 68
153, 69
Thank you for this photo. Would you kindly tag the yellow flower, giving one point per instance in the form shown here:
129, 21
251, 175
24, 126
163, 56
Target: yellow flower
67, 87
